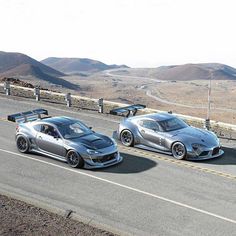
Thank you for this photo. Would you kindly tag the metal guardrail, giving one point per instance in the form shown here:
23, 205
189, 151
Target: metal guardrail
117, 104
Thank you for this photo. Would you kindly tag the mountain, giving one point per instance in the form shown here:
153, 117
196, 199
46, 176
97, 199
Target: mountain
11, 60
201, 71
20, 65
78, 65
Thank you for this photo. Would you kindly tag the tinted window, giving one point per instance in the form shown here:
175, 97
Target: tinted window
75, 129
172, 124
37, 128
149, 124
49, 130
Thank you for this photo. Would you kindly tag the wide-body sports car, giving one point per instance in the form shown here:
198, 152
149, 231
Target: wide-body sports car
163, 132
66, 139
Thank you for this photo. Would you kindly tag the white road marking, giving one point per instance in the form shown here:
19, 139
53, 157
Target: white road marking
124, 186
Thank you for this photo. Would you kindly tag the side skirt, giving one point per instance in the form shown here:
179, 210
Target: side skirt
49, 155
141, 146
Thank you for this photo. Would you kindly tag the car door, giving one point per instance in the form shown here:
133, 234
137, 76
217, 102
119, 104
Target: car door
49, 140
152, 136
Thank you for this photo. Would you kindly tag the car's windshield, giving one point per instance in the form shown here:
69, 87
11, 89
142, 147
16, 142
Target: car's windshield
172, 124
75, 129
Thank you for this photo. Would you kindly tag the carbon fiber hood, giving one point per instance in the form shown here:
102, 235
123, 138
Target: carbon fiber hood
93, 141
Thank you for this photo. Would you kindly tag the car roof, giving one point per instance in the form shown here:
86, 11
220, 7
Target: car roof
58, 120
154, 116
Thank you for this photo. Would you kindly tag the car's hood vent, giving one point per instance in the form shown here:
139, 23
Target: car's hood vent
95, 141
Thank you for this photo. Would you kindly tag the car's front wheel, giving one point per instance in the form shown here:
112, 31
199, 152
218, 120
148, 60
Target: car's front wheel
127, 138
74, 159
179, 151
22, 143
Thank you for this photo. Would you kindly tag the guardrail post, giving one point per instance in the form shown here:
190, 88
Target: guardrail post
100, 105
207, 124
7, 88
37, 93
68, 99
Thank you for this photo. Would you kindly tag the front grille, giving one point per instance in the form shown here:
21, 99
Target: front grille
215, 151
106, 158
205, 153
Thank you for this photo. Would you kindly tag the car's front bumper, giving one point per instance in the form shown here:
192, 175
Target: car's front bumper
208, 153
105, 157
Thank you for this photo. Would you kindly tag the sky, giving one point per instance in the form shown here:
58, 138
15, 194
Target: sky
138, 33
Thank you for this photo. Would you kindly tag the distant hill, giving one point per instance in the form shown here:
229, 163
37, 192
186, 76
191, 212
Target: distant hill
186, 72
78, 65
21, 65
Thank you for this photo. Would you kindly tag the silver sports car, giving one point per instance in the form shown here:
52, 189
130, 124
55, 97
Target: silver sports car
166, 133
64, 138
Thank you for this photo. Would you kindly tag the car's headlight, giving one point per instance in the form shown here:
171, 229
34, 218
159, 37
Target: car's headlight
197, 146
217, 139
92, 152
215, 136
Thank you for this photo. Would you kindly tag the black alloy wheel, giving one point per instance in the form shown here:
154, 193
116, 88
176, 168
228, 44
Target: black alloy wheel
179, 151
22, 144
74, 159
127, 138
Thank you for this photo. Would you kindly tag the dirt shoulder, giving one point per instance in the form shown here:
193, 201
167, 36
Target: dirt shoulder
20, 218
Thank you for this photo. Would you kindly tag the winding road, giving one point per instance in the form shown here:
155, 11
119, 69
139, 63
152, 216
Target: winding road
148, 92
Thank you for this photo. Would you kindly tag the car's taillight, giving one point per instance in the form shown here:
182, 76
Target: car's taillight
17, 128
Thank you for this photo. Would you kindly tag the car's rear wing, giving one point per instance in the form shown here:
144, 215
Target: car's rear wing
127, 111
27, 115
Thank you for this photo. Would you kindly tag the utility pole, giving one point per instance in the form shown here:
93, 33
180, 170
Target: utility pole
207, 121
209, 97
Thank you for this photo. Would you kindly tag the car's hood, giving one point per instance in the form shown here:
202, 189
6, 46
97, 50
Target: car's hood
93, 141
194, 135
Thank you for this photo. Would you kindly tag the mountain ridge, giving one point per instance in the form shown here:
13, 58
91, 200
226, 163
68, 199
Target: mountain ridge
185, 72
73, 65
20, 65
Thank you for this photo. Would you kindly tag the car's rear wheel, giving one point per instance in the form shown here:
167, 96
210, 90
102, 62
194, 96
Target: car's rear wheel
179, 151
22, 144
74, 159
127, 138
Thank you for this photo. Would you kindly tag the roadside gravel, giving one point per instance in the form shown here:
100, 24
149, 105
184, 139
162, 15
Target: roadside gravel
19, 218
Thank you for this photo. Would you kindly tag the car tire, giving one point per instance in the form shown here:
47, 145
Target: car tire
22, 144
127, 138
179, 151
74, 159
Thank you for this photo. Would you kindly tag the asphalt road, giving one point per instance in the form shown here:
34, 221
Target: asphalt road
147, 194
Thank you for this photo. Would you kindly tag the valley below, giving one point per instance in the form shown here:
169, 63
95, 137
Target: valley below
182, 89
183, 97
